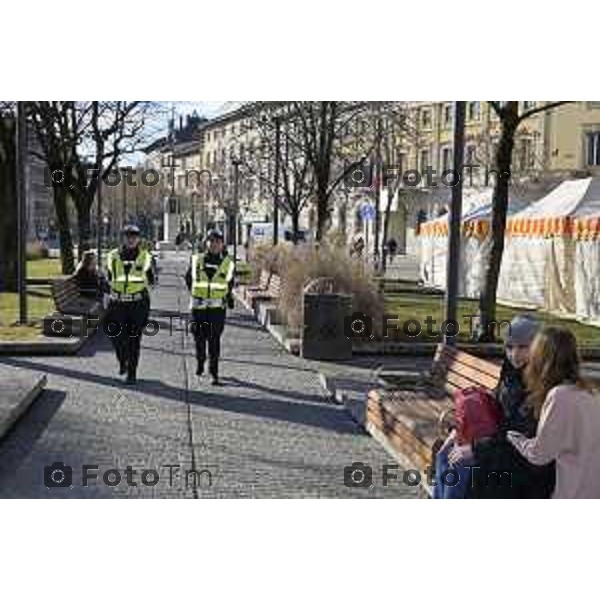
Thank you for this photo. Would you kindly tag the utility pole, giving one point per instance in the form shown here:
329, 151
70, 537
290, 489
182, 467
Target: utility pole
276, 197
378, 176
124, 217
22, 210
236, 173
99, 222
453, 267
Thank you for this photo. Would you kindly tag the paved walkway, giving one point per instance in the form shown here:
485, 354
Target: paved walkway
269, 432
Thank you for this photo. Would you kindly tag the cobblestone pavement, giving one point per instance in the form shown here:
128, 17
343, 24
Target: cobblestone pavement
268, 432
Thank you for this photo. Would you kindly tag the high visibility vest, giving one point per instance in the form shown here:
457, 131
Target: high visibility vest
210, 293
133, 282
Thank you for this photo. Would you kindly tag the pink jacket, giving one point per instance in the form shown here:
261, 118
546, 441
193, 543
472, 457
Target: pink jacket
569, 433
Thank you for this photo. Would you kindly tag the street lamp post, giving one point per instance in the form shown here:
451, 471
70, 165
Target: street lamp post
99, 222
22, 211
276, 198
452, 273
236, 173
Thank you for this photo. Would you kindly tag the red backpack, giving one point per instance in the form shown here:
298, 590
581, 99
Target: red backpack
478, 414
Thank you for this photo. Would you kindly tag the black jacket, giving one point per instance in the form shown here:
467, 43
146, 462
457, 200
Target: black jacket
496, 455
211, 266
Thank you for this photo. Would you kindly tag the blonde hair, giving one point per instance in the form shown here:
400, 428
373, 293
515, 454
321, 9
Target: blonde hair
553, 360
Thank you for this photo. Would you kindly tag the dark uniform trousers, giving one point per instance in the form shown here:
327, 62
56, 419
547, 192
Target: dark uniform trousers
124, 324
207, 328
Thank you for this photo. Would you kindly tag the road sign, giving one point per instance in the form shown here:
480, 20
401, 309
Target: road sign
367, 212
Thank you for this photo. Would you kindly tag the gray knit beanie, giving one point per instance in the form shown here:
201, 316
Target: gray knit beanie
522, 330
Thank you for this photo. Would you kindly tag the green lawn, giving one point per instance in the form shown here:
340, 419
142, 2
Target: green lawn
44, 268
39, 304
420, 306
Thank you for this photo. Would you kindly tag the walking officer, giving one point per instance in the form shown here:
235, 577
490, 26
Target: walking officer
129, 272
210, 281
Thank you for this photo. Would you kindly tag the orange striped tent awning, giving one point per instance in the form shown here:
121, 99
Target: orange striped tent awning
554, 226
580, 228
478, 228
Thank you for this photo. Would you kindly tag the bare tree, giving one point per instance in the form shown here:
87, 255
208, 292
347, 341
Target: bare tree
84, 142
510, 119
261, 153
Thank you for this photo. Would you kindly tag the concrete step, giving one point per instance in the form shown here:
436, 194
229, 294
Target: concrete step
18, 389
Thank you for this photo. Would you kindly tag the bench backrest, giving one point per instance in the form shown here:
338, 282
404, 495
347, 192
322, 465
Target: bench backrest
265, 277
458, 370
275, 286
64, 291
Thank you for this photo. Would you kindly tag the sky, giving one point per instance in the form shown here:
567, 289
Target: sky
160, 127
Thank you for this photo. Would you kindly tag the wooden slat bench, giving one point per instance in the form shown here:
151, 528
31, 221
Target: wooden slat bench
68, 301
263, 285
271, 294
412, 422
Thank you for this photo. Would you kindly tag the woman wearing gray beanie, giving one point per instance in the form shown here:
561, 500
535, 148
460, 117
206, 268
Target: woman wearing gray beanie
496, 455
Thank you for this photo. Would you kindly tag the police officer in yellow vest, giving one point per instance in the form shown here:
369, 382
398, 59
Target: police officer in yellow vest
129, 272
210, 281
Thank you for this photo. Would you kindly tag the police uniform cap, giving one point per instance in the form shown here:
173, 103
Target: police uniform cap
131, 229
214, 234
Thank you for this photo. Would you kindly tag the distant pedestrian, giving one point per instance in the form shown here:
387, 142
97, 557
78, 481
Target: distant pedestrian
392, 247
178, 241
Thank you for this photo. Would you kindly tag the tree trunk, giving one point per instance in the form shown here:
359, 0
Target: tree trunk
8, 207
322, 212
295, 216
487, 299
84, 230
386, 226
64, 230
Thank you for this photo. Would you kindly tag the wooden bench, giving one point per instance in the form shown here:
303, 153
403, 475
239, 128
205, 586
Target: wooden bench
69, 301
414, 422
263, 285
271, 294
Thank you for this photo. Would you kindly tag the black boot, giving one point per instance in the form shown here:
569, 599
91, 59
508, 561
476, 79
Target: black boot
131, 376
215, 378
122, 362
200, 369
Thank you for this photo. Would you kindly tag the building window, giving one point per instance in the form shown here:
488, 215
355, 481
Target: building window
526, 159
426, 118
447, 115
446, 159
593, 149
400, 162
424, 160
474, 111
470, 154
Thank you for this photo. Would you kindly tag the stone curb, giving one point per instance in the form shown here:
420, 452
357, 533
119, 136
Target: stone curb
58, 347
20, 407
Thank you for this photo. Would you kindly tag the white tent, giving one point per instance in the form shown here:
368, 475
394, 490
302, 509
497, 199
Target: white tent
552, 257
475, 238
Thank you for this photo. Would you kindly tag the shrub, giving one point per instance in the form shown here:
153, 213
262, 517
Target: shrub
36, 251
270, 258
299, 265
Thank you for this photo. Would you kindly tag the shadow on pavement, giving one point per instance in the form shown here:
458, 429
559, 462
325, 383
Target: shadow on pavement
315, 414
21, 438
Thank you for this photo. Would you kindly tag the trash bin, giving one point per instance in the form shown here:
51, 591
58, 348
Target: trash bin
324, 337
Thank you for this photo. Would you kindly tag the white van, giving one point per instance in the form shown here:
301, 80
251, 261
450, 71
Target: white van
262, 233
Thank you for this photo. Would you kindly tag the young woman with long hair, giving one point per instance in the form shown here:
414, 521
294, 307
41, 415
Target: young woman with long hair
568, 430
